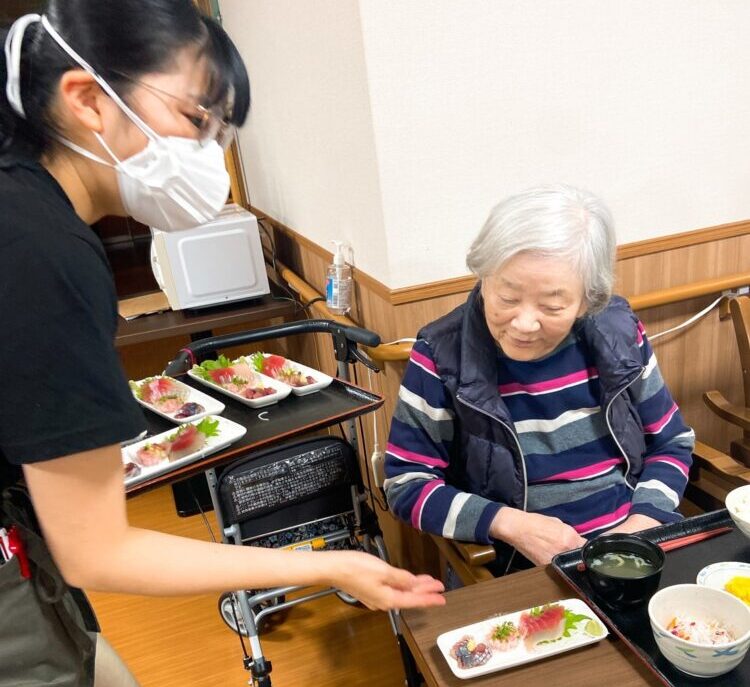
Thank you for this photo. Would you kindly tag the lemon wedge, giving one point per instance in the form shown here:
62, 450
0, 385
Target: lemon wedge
593, 628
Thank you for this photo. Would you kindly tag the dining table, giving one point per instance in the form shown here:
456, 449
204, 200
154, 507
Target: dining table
608, 662
697, 550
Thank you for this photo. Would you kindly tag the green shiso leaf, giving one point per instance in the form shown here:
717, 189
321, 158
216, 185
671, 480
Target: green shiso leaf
208, 427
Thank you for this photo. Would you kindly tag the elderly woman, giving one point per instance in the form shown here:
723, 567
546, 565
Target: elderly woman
534, 415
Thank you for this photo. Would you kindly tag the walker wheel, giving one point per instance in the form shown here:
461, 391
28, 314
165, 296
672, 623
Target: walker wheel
228, 599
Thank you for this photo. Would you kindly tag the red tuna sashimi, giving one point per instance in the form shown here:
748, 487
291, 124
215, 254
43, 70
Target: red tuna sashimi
154, 389
223, 375
189, 439
542, 624
272, 364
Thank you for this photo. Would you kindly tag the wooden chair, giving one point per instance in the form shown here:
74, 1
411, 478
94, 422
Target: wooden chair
739, 309
713, 475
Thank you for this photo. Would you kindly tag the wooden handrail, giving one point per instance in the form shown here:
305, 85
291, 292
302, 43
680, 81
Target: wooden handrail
675, 294
400, 351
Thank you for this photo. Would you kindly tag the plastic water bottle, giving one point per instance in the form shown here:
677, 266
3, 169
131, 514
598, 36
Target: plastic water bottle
339, 282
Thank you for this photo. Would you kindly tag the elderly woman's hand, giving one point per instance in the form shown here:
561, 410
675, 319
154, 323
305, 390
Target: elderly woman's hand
635, 523
538, 537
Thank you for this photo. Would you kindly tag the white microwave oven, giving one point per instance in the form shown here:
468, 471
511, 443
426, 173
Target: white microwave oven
217, 262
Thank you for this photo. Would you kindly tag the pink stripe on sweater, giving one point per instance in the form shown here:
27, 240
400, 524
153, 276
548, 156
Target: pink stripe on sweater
639, 333
416, 512
588, 471
603, 520
413, 457
656, 427
671, 461
424, 361
550, 384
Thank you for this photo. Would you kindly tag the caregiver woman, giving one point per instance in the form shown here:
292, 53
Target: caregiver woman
534, 415
109, 107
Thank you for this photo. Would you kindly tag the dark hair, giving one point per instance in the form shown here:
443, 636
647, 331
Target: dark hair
122, 40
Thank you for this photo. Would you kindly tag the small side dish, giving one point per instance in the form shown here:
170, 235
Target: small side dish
174, 400
170, 450
301, 379
728, 576
278, 367
237, 378
187, 439
234, 376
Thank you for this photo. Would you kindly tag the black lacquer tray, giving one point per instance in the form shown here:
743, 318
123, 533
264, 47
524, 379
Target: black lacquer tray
681, 567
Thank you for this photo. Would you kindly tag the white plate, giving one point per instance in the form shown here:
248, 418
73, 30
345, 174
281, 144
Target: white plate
717, 575
211, 405
519, 655
229, 432
322, 379
282, 390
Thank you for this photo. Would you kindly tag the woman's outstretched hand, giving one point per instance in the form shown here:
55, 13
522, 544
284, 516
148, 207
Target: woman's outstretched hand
538, 537
381, 586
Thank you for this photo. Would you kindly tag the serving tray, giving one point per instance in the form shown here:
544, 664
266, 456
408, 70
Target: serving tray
294, 416
681, 567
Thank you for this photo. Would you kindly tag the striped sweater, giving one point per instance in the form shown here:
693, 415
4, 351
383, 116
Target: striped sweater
575, 469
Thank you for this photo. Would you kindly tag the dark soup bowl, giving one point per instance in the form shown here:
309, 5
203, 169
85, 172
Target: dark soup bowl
623, 569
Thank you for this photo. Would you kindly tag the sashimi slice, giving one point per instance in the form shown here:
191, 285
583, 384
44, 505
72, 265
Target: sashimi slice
169, 404
253, 392
191, 438
188, 440
153, 390
152, 454
222, 375
544, 623
272, 364
245, 371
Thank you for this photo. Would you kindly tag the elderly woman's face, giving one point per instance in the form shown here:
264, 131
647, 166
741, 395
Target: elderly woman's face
531, 304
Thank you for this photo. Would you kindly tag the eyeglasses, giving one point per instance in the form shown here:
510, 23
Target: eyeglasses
211, 122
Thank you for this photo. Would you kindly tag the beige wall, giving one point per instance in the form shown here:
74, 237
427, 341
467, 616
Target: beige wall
396, 124
308, 150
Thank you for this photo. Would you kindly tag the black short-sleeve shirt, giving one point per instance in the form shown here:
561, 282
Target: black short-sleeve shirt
62, 387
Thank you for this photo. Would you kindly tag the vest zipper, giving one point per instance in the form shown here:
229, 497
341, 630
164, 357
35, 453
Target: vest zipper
609, 424
512, 433
520, 454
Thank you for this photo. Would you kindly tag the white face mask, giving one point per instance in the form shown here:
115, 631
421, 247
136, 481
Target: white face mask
173, 183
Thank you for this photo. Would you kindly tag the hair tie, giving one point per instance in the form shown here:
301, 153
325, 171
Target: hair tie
13, 43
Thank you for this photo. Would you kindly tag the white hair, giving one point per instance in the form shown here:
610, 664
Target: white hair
552, 221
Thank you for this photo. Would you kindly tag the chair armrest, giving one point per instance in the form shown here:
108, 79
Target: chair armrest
737, 415
467, 560
721, 464
471, 554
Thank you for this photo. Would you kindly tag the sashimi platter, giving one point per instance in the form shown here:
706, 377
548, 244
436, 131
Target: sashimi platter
521, 637
258, 380
185, 444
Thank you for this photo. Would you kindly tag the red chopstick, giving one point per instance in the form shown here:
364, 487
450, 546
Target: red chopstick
692, 538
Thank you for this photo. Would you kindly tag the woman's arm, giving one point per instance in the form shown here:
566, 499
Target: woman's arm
419, 451
669, 448
80, 503
669, 444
